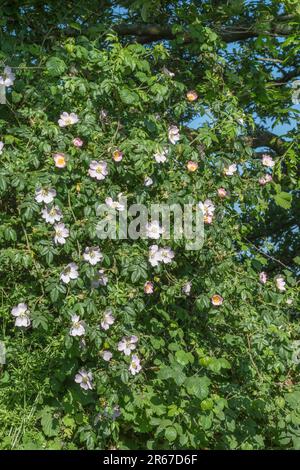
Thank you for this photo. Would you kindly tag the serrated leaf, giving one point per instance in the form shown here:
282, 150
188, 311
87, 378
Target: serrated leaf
197, 386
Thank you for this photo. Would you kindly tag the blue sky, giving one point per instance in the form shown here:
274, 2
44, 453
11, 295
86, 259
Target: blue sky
279, 129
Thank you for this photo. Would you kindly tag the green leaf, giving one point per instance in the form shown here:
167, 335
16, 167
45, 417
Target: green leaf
49, 424
55, 66
170, 434
197, 386
183, 357
128, 96
283, 200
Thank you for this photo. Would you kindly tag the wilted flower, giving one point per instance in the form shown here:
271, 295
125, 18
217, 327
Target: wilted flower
117, 155
67, 119
135, 365
61, 233
107, 355
263, 277
161, 156
8, 77
148, 181
45, 195
78, 326
217, 300
52, 215
154, 230
187, 288
265, 179
70, 272
116, 412
173, 134
167, 72
98, 170
111, 414
267, 160
126, 345
222, 192
84, 379
100, 279
60, 160
103, 115
1, 146
192, 95
93, 255
108, 319
21, 313
148, 287
192, 166
280, 283
230, 170
77, 142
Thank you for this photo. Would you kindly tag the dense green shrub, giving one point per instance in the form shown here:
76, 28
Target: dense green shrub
212, 376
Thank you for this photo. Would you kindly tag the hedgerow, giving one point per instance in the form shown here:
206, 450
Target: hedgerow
111, 343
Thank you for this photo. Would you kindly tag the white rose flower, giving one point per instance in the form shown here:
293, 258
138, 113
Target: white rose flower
70, 272
92, 255
108, 319
98, 170
61, 233
154, 230
78, 326
173, 134
161, 156
230, 170
8, 77
52, 215
45, 195
21, 314
84, 379
67, 119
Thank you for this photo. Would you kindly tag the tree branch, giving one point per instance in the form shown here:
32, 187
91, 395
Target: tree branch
146, 33
264, 138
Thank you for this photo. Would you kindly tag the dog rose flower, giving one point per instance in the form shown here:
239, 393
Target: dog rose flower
21, 314
77, 142
60, 160
70, 272
192, 166
108, 319
45, 195
98, 170
67, 119
93, 255
217, 300
84, 379
61, 233
192, 95
78, 326
126, 345
135, 365
173, 134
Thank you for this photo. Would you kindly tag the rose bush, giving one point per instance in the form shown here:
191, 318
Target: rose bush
138, 343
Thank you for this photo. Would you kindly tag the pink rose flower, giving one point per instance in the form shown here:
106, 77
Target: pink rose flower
77, 142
